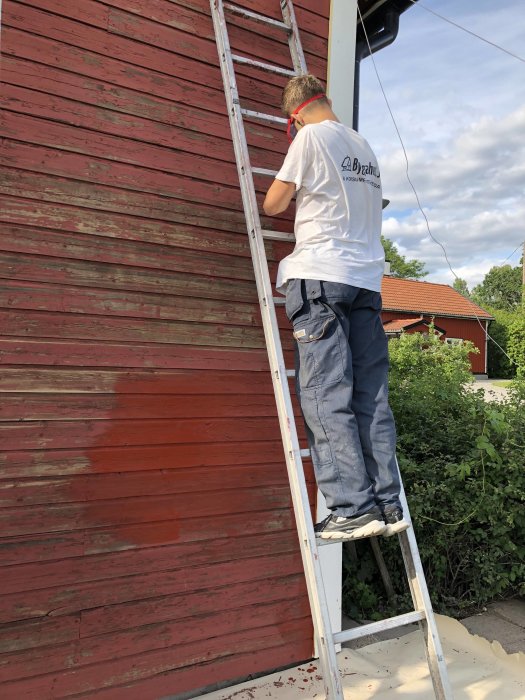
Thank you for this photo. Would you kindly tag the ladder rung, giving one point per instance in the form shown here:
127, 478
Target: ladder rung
263, 117
268, 67
264, 171
234, 9
381, 626
278, 235
303, 453
279, 301
291, 373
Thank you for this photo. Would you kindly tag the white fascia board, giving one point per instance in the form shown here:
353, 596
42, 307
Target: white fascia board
340, 89
341, 58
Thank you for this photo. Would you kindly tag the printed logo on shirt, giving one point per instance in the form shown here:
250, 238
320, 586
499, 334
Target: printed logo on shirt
355, 166
359, 171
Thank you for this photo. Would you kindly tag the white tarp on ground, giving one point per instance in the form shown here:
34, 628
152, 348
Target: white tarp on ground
397, 668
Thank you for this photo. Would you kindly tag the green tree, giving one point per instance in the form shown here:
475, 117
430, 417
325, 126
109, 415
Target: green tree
399, 265
501, 288
460, 285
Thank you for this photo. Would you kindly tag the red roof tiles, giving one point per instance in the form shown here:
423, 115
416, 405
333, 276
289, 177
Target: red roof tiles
427, 298
398, 324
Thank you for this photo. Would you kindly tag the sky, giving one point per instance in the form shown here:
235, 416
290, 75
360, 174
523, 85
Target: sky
459, 105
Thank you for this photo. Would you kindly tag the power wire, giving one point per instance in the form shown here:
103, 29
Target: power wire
468, 31
485, 331
510, 256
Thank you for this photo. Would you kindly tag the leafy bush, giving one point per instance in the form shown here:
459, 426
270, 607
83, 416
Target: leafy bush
498, 363
516, 343
462, 462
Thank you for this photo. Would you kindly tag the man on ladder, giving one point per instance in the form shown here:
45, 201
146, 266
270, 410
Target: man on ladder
336, 177
332, 281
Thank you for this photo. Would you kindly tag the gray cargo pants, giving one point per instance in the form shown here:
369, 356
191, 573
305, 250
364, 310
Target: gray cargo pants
342, 385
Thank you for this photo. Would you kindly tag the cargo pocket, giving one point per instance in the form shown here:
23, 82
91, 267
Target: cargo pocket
319, 346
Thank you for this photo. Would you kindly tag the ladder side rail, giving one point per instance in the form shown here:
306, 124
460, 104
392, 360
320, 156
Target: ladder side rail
421, 599
309, 553
294, 40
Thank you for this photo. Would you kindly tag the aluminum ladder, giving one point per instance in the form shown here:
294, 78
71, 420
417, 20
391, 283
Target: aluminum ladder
325, 638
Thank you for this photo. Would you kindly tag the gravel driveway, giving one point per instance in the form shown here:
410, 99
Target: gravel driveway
492, 392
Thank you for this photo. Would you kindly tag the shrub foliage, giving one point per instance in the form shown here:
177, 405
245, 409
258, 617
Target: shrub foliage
516, 344
462, 461
508, 330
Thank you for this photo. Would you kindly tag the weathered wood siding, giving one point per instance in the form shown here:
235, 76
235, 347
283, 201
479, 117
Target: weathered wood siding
147, 542
464, 328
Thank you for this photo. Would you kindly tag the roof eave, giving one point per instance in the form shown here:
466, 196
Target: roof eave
472, 317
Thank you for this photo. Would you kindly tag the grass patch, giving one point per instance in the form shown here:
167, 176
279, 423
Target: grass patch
505, 383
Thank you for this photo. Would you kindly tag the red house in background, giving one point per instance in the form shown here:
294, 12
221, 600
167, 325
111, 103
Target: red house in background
412, 306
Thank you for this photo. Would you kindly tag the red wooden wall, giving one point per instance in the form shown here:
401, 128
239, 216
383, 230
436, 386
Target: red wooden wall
147, 546
464, 328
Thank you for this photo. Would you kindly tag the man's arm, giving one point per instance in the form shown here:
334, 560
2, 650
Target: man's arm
278, 197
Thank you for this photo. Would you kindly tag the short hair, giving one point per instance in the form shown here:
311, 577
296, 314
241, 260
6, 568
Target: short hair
300, 89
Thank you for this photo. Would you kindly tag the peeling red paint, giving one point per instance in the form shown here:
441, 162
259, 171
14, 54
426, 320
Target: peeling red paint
133, 354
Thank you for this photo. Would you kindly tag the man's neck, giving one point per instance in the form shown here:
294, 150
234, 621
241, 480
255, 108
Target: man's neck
320, 114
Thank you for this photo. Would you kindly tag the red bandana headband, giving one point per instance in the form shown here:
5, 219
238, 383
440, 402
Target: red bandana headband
291, 130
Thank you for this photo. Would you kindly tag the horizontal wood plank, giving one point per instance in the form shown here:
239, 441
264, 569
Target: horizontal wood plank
295, 649
38, 435
126, 631
261, 537
65, 600
85, 273
96, 487
97, 197
125, 458
89, 222
157, 382
31, 634
86, 63
33, 296
113, 540
130, 670
166, 147
176, 60
165, 159
42, 324
63, 517
41, 406
33, 241
23, 351
100, 170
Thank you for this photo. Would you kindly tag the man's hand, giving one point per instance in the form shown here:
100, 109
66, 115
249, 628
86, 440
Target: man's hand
278, 197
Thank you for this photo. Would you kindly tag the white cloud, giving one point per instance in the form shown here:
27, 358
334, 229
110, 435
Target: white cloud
460, 107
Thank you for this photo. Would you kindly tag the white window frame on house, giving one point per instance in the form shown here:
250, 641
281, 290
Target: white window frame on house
454, 341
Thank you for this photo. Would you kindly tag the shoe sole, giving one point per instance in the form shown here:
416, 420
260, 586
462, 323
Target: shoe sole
372, 529
396, 528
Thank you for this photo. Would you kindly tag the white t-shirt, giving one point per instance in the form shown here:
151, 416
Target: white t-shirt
338, 209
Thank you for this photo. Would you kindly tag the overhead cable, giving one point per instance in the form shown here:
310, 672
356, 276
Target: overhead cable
514, 251
417, 3
413, 187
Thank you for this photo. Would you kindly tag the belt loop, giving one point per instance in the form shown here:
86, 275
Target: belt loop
313, 289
